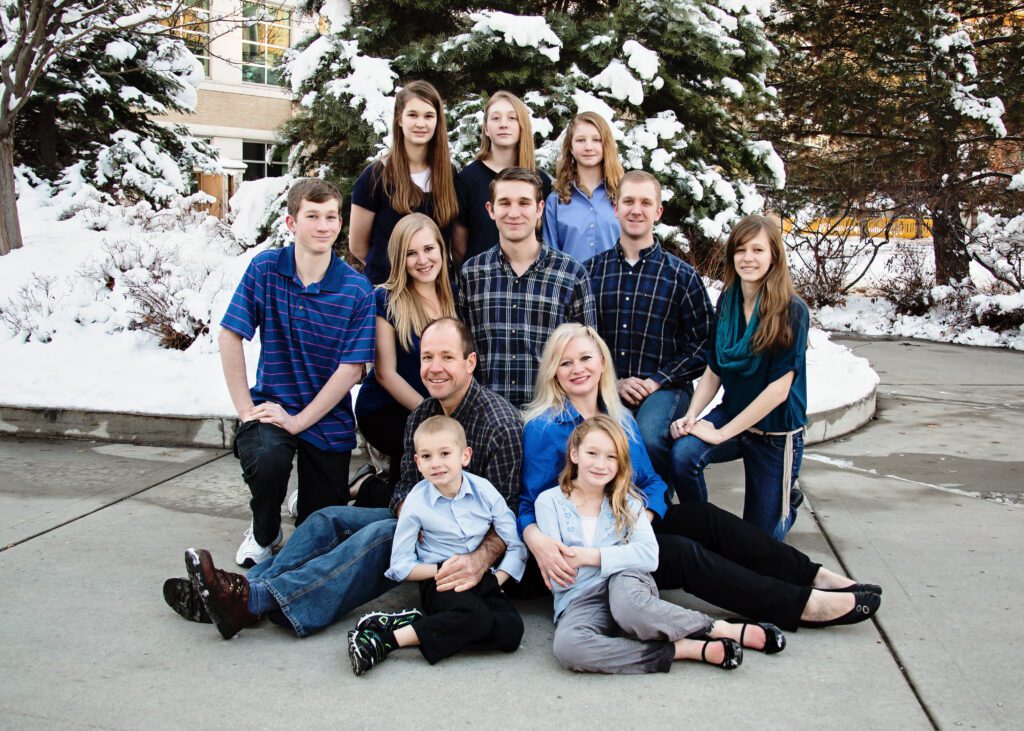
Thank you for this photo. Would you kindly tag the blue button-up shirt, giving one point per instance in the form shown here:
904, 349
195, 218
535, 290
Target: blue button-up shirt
544, 442
583, 227
654, 315
451, 526
306, 332
557, 517
511, 315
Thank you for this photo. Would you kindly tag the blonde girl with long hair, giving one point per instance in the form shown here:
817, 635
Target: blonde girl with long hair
611, 619
757, 354
579, 215
416, 292
707, 551
415, 176
506, 140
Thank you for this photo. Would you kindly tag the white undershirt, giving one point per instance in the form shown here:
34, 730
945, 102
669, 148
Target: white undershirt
589, 525
422, 180
632, 262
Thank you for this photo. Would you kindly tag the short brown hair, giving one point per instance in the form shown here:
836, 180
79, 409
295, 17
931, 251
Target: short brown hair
441, 424
465, 336
518, 174
639, 176
315, 190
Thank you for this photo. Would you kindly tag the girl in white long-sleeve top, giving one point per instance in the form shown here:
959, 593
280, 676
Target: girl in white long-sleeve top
611, 620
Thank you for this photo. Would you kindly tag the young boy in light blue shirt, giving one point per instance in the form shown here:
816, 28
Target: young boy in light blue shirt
447, 514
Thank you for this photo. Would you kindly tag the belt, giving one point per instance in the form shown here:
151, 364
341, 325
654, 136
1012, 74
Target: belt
787, 462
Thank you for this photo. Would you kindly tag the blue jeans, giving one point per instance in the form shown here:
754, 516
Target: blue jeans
763, 460
334, 562
653, 417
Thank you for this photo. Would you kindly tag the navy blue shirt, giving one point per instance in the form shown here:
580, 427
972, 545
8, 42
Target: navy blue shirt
368, 192
654, 315
741, 391
372, 395
305, 333
473, 188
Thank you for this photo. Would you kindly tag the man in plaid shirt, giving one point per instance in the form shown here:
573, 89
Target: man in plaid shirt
513, 295
655, 315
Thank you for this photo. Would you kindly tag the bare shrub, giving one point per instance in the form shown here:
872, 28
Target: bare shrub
26, 312
909, 282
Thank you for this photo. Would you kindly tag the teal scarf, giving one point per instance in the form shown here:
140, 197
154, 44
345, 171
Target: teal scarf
731, 345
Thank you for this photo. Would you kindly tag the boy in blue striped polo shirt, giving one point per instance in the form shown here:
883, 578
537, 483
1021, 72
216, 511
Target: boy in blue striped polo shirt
315, 315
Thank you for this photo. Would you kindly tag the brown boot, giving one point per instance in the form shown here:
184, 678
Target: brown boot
225, 595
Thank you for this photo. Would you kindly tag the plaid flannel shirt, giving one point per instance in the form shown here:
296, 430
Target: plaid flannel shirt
511, 316
654, 315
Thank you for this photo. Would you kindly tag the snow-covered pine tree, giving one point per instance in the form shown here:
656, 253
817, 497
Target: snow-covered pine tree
681, 81
88, 116
921, 102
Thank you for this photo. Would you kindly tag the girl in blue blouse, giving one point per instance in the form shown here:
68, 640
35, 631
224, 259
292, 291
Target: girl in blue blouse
417, 292
707, 551
415, 176
579, 218
611, 619
757, 354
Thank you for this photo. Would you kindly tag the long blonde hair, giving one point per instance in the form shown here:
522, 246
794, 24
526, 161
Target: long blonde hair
566, 175
405, 195
525, 155
774, 331
549, 395
404, 306
620, 488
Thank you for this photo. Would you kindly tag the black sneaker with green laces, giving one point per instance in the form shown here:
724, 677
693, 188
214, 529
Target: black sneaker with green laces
366, 649
381, 622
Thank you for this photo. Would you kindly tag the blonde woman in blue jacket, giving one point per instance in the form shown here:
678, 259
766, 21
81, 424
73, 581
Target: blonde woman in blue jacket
611, 619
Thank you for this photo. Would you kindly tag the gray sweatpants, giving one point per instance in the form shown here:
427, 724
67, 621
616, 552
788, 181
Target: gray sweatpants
589, 635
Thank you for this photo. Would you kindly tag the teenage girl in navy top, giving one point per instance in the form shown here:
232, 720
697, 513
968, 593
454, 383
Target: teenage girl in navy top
506, 140
416, 292
415, 176
757, 354
579, 218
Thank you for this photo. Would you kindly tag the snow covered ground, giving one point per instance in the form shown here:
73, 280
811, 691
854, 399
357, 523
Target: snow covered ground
77, 348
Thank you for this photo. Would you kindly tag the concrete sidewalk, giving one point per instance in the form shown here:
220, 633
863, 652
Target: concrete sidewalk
923, 500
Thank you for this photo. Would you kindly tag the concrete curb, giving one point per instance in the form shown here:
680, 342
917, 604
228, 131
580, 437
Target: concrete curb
107, 426
217, 431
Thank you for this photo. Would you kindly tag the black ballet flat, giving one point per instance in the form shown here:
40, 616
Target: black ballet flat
871, 588
796, 497
733, 653
774, 640
366, 469
866, 605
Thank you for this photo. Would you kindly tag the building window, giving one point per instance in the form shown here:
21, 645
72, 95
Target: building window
192, 24
254, 155
265, 38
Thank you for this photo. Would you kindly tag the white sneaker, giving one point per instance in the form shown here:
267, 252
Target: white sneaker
293, 503
251, 553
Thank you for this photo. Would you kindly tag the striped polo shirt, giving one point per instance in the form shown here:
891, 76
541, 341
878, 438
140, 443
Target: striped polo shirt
306, 333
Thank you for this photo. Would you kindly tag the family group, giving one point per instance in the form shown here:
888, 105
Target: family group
533, 393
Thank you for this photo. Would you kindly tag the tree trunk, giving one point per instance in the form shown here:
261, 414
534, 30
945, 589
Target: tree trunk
949, 239
10, 229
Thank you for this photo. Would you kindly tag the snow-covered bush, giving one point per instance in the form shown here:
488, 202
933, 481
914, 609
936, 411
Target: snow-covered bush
25, 314
997, 243
258, 209
1001, 312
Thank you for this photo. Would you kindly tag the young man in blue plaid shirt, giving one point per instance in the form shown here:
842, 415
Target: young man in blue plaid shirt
513, 295
655, 315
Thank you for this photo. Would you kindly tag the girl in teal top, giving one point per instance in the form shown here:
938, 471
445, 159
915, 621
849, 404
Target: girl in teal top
757, 354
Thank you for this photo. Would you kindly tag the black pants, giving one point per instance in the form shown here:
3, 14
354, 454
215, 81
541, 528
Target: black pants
722, 559
385, 430
266, 453
481, 618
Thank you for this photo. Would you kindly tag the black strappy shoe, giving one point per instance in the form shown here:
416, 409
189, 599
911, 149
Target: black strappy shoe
774, 640
733, 653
